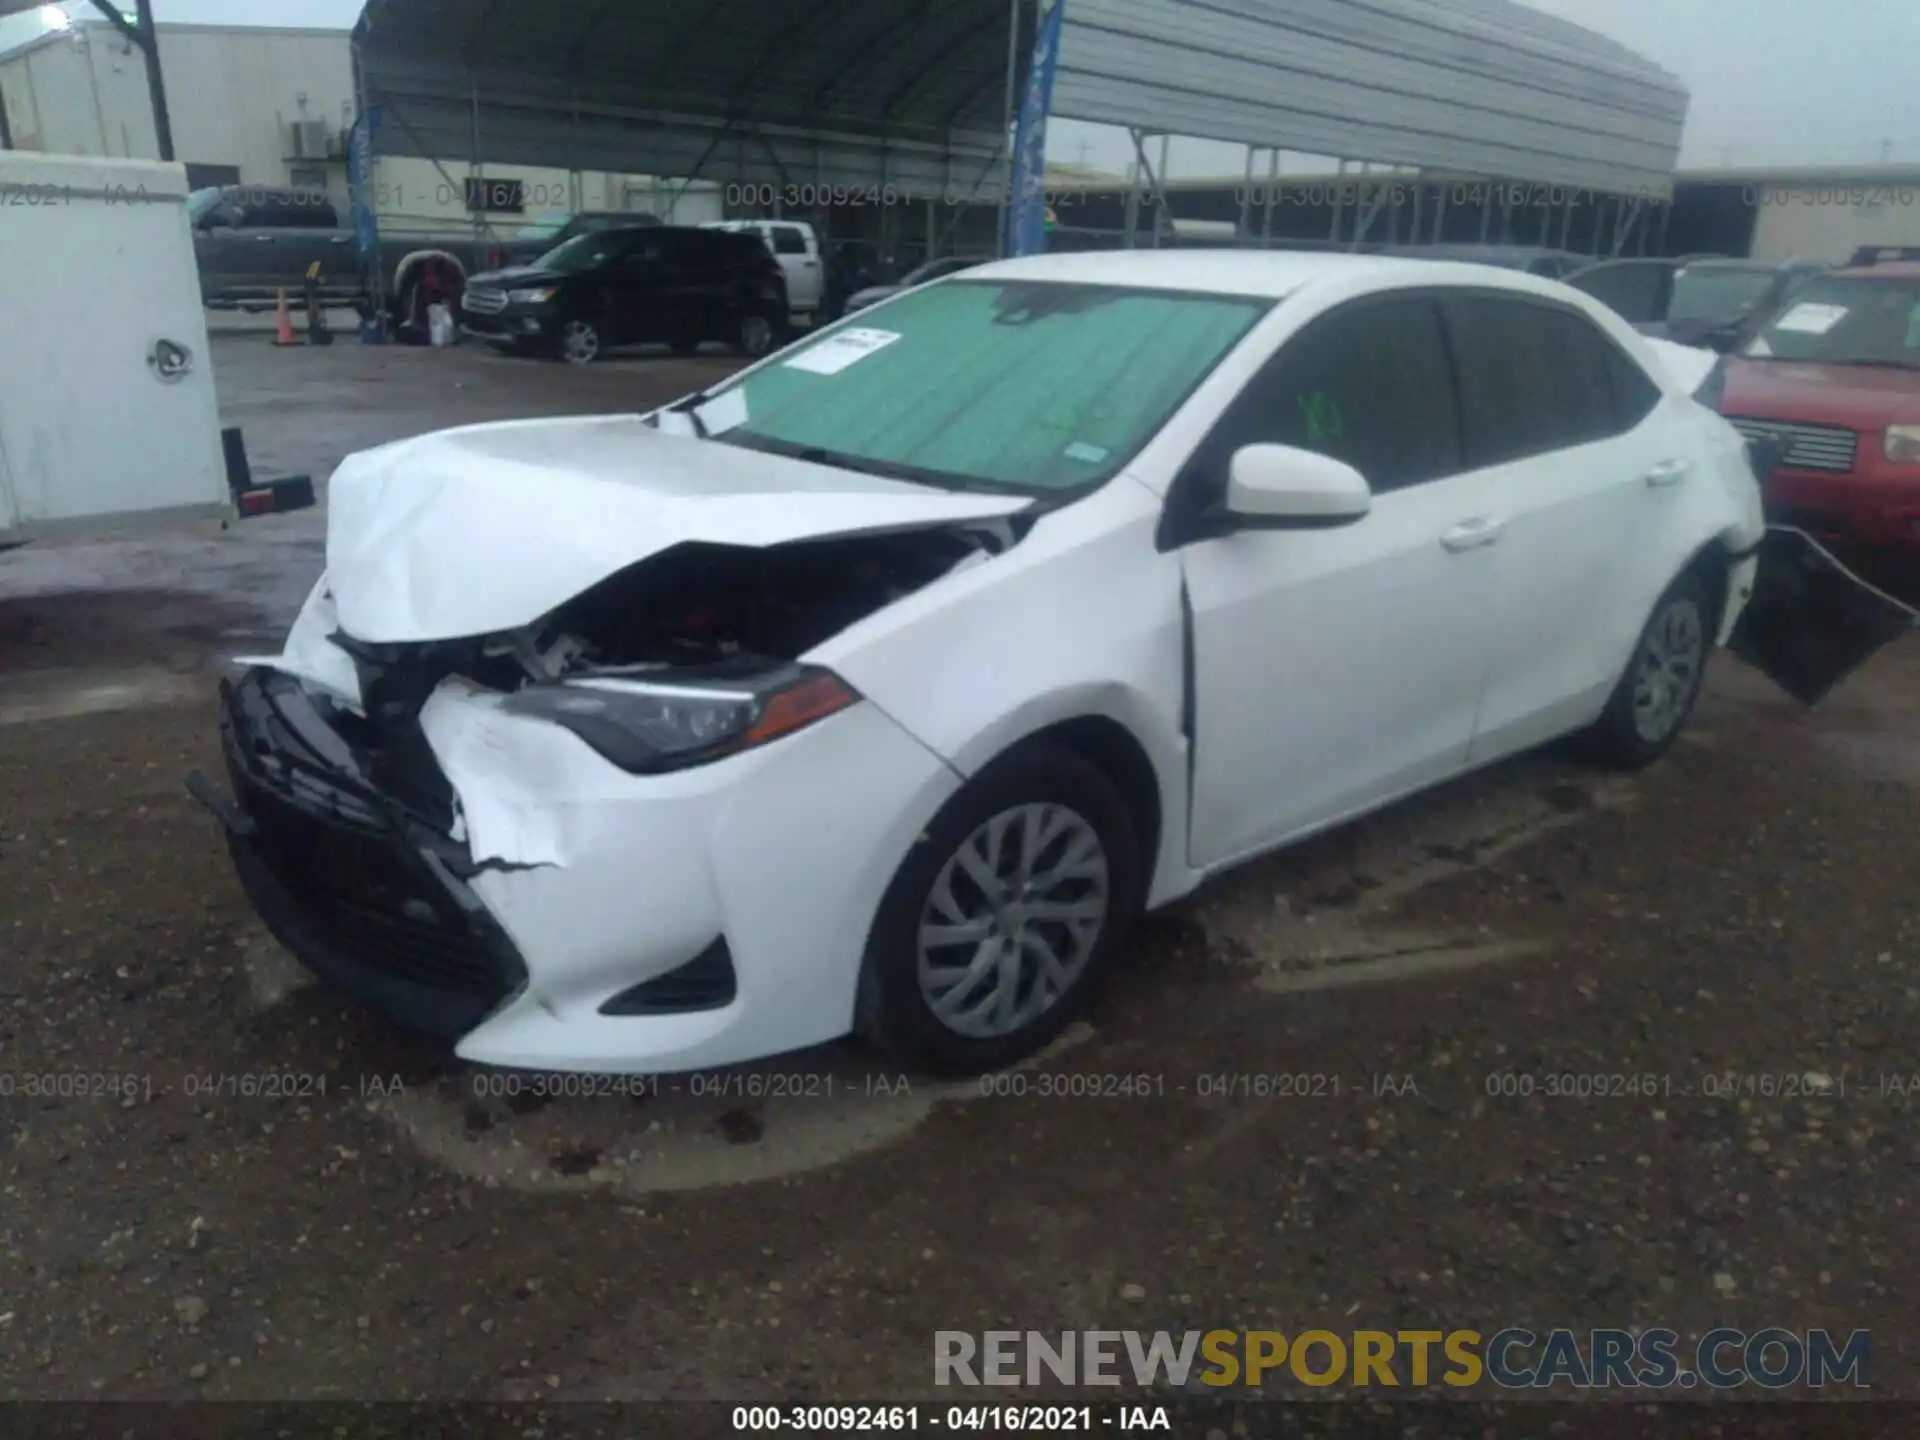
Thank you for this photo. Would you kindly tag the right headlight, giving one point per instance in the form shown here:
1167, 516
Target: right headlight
532, 297
650, 727
1903, 444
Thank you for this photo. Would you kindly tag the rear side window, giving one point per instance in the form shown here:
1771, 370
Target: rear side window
1535, 378
1368, 384
1635, 290
788, 241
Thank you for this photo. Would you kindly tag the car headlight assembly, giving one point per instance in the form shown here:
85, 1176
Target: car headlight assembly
531, 297
1903, 444
653, 727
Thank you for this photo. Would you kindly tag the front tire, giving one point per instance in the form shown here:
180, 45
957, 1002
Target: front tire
579, 342
1003, 915
1651, 704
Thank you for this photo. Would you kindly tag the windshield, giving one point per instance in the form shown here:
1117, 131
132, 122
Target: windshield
1717, 294
199, 202
1842, 321
544, 227
1033, 388
582, 253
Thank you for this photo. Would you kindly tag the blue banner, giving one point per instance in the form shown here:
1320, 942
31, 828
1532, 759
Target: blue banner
366, 225
1027, 210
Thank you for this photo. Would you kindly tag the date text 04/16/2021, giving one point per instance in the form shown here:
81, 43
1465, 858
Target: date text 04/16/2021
959, 1419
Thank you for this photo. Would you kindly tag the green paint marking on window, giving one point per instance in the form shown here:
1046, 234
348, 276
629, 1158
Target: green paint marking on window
1322, 414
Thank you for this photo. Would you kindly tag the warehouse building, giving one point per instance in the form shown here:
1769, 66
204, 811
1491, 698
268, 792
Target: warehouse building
258, 105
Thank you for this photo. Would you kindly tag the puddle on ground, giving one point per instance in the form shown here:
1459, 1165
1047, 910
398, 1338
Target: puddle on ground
645, 1135
1310, 919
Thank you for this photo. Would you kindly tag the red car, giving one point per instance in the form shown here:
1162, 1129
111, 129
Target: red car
1835, 375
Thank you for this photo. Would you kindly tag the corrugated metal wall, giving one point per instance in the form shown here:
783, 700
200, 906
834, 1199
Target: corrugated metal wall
1397, 81
909, 93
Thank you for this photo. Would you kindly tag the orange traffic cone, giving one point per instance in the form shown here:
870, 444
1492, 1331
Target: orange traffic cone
285, 335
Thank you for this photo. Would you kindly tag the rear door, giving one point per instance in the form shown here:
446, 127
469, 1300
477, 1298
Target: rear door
1592, 463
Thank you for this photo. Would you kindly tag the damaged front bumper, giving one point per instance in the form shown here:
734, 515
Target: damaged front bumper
564, 914
357, 886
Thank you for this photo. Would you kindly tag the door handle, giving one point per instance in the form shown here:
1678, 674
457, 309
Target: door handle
263, 239
1667, 472
1475, 534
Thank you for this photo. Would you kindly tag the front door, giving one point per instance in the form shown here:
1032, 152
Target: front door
1337, 668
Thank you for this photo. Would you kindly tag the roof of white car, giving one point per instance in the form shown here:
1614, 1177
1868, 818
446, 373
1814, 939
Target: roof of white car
1273, 273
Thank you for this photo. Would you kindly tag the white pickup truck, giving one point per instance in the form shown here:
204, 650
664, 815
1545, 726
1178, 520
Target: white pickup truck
107, 413
795, 245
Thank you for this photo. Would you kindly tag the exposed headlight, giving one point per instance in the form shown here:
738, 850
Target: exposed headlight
651, 727
532, 297
1903, 444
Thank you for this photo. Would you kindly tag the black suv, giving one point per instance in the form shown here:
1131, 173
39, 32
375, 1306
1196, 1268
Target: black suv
628, 286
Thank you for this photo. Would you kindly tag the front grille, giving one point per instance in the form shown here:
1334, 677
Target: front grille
1809, 447
341, 889
485, 302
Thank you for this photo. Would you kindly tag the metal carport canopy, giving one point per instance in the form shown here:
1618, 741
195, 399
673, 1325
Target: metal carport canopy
912, 93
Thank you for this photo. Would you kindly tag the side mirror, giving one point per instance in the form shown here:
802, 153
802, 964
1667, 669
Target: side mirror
1277, 487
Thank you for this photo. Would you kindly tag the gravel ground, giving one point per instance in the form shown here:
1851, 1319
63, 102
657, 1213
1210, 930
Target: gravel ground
1737, 923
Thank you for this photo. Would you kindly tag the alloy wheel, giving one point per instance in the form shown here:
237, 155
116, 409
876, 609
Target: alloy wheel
580, 343
1012, 920
1669, 669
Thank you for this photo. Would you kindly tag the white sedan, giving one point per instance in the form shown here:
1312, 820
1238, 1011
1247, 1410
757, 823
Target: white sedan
875, 690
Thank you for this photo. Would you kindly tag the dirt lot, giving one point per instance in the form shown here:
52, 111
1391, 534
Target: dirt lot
1738, 922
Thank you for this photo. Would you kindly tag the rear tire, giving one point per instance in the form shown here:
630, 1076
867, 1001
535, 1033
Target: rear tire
754, 335
962, 978
1655, 696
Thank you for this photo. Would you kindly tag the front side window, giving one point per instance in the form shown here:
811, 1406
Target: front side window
584, 253
1535, 378
1846, 320
1368, 384
788, 241
1033, 388
1635, 290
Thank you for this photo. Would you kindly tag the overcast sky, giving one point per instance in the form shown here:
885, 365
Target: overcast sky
1774, 82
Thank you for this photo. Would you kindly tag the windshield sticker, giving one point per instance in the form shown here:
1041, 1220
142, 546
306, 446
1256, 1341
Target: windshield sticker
1080, 450
1808, 318
724, 412
1322, 413
837, 352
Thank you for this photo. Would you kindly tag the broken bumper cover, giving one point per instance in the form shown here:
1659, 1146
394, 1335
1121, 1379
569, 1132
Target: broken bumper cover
358, 888
770, 864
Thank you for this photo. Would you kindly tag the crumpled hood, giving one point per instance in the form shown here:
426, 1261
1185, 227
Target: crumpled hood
485, 529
